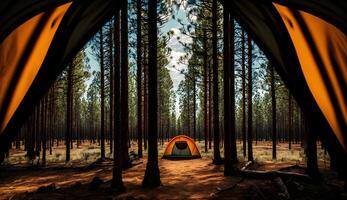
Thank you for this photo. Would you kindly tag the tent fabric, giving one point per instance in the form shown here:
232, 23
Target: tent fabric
331, 12
267, 28
266, 21
323, 60
16, 12
21, 56
80, 22
181, 146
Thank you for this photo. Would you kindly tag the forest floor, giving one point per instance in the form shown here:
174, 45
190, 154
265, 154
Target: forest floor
187, 179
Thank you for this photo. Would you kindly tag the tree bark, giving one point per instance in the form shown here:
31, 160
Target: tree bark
273, 103
117, 181
145, 102
102, 95
311, 151
243, 77
43, 129
52, 120
139, 78
216, 152
205, 90
111, 86
233, 147
290, 120
152, 174
210, 106
194, 109
228, 167
68, 112
188, 108
37, 132
124, 87
250, 125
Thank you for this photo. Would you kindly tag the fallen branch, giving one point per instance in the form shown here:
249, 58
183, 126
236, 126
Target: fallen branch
292, 167
249, 163
109, 159
273, 174
137, 163
230, 187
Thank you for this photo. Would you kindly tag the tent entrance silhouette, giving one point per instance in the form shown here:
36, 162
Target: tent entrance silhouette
181, 147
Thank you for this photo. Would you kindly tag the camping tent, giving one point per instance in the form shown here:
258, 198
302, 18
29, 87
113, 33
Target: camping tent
181, 147
304, 40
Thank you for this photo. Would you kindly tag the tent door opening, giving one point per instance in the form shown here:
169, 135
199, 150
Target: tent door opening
181, 149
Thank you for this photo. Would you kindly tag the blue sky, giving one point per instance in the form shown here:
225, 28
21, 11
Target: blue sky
177, 49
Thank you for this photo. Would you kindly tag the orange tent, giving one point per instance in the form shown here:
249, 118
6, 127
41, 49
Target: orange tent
181, 147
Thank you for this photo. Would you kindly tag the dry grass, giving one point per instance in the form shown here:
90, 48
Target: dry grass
188, 179
88, 152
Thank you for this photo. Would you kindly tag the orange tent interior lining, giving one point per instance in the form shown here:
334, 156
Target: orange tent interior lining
41, 27
326, 38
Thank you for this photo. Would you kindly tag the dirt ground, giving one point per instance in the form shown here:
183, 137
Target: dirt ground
185, 179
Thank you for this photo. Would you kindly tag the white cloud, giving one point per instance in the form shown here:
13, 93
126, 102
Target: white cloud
174, 43
177, 51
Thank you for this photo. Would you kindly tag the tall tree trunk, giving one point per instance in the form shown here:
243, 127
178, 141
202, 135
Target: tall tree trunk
77, 122
152, 174
210, 106
290, 120
31, 142
250, 125
43, 129
37, 132
311, 151
273, 103
188, 107
124, 86
46, 129
17, 139
232, 92
110, 41
52, 114
228, 167
68, 112
243, 77
102, 95
145, 101
117, 181
194, 109
216, 153
205, 89
139, 78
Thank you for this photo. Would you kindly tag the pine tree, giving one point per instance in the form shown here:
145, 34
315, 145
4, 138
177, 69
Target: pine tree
249, 103
243, 77
216, 152
124, 86
117, 181
273, 103
102, 95
69, 112
152, 174
139, 76
228, 168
